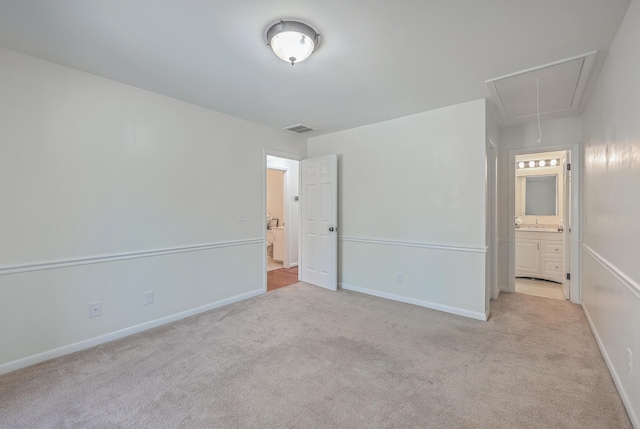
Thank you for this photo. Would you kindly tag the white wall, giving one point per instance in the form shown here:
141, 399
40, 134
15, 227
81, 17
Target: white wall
292, 206
555, 133
611, 209
109, 191
412, 200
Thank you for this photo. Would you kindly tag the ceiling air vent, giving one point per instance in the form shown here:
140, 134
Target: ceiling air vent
299, 129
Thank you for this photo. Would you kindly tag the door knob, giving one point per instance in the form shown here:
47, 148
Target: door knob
331, 229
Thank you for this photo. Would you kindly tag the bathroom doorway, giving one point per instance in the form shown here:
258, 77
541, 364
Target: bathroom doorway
543, 238
281, 221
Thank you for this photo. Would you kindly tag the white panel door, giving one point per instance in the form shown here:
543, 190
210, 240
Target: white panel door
319, 226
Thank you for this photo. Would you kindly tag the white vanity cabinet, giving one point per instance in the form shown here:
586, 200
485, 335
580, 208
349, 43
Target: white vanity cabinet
278, 244
540, 255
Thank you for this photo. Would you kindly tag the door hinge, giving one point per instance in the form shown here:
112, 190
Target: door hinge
568, 276
569, 167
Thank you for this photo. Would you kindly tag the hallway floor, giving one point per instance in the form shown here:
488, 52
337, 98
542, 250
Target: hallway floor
539, 288
281, 278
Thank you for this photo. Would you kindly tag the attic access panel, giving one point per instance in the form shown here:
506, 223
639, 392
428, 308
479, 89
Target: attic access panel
561, 87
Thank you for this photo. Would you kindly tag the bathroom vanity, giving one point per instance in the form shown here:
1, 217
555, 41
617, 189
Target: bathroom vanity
540, 254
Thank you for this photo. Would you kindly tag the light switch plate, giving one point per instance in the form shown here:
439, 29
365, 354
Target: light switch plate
95, 309
148, 297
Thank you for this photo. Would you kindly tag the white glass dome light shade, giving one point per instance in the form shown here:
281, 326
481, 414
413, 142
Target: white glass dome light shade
521, 164
554, 162
542, 163
292, 46
532, 164
292, 41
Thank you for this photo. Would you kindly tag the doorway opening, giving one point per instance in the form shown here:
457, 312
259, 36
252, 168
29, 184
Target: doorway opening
310, 226
544, 236
282, 214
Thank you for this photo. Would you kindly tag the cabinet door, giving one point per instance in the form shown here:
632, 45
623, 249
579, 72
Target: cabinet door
527, 257
278, 245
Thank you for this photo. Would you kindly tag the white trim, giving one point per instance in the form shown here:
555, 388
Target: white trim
50, 265
633, 286
280, 154
85, 344
455, 248
616, 379
440, 307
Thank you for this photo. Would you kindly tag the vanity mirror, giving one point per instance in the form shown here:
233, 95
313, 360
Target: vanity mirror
537, 195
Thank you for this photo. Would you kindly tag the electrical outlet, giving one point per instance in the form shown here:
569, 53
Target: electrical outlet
399, 277
629, 360
95, 309
242, 216
148, 297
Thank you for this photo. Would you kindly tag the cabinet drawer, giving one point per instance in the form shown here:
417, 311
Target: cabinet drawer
552, 267
551, 249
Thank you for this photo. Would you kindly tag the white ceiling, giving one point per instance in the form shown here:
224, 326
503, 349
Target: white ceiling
378, 59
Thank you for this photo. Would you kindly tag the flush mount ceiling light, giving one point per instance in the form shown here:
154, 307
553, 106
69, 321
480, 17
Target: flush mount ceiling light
292, 41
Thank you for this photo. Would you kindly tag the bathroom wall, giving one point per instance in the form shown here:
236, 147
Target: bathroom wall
275, 194
611, 226
109, 191
412, 207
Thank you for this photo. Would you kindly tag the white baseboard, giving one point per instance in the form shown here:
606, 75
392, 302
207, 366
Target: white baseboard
85, 344
616, 379
496, 293
427, 304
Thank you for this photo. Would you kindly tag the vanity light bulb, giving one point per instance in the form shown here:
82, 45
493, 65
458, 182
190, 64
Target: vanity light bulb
532, 163
521, 164
554, 162
542, 163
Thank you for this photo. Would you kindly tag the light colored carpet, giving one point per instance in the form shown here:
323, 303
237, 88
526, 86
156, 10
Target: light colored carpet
304, 357
539, 288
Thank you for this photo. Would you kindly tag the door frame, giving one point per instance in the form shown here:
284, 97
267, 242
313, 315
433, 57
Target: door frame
293, 157
573, 263
493, 290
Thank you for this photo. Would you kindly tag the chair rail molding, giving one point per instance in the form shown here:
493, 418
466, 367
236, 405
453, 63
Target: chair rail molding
450, 247
632, 285
72, 262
